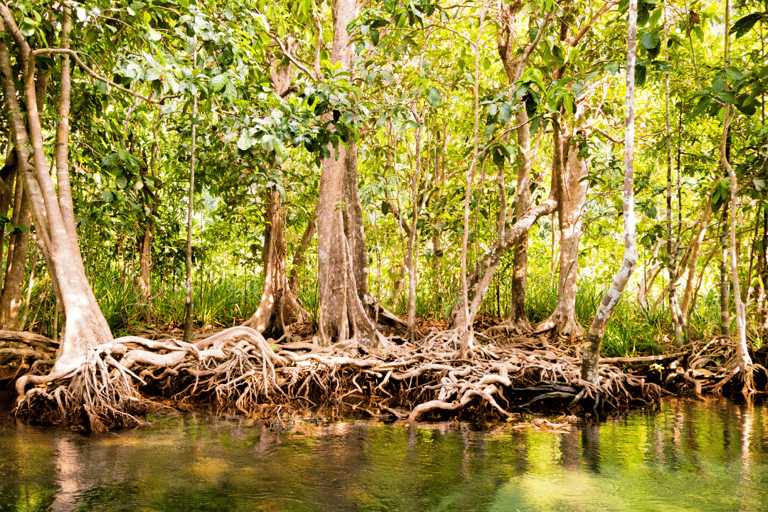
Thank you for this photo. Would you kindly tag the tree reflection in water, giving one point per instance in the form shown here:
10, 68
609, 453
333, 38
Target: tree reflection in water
686, 456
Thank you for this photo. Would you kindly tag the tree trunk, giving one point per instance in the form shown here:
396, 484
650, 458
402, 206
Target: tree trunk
590, 370
572, 197
278, 307
674, 307
744, 361
693, 259
84, 324
15, 269
518, 318
341, 252
725, 312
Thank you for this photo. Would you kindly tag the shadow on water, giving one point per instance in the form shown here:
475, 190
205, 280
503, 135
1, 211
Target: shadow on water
685, 456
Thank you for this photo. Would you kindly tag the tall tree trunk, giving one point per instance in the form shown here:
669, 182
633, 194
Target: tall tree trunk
572, 197
762, 274
84, 324
518, 318
744, 361
341, 252
413, 239
189, 308
15, 269
674, 307
479, 279
693, 259
725, 289
590, 370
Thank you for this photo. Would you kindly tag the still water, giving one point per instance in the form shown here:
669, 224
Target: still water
707, 456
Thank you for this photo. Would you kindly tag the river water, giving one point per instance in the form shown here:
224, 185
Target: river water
706, 456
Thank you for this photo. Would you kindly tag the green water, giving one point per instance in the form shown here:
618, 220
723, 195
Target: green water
686, 456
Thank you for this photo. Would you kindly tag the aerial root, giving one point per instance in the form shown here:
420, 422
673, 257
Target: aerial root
237, 369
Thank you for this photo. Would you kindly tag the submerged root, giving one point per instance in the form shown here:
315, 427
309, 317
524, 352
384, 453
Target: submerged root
237, 369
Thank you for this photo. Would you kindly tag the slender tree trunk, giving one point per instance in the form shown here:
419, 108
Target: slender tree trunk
744, 361
413, 239
693, 259
300, 254
518, 317
725, 311
762, 271
674, 307
590, 370
189, 309
18, 246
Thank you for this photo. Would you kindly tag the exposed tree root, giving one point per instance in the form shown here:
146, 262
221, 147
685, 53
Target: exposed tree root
237, 369
714, 364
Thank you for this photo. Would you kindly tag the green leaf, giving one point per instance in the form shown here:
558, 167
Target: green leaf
121, 181
651, 40
410, 123
734, 73
245, 142
640, 75
387, 76
151, 74
434, 97
107, 195
154, 35
230, 92
218, 82
703, 105
745, 24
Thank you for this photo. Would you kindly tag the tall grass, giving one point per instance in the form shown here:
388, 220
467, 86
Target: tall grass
633, 329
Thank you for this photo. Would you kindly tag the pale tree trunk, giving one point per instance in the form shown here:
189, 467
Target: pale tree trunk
725, 313
744, 361
84, 324
341, 252
762, 274
464, 320
674, 306
477, 283
590, 370
572, 191
693, 259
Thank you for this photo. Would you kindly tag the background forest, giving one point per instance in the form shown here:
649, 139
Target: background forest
465, 118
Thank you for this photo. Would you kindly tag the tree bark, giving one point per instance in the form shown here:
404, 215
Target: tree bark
693, 259
84, 324
744, 361
725, 289
341, 261
590, 370
278, 307
572, 197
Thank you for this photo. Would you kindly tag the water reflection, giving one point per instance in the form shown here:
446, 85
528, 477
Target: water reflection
686, 456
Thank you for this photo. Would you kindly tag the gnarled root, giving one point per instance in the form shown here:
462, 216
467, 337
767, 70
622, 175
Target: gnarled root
238, 369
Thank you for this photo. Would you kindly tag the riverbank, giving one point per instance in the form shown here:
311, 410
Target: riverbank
238, 370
